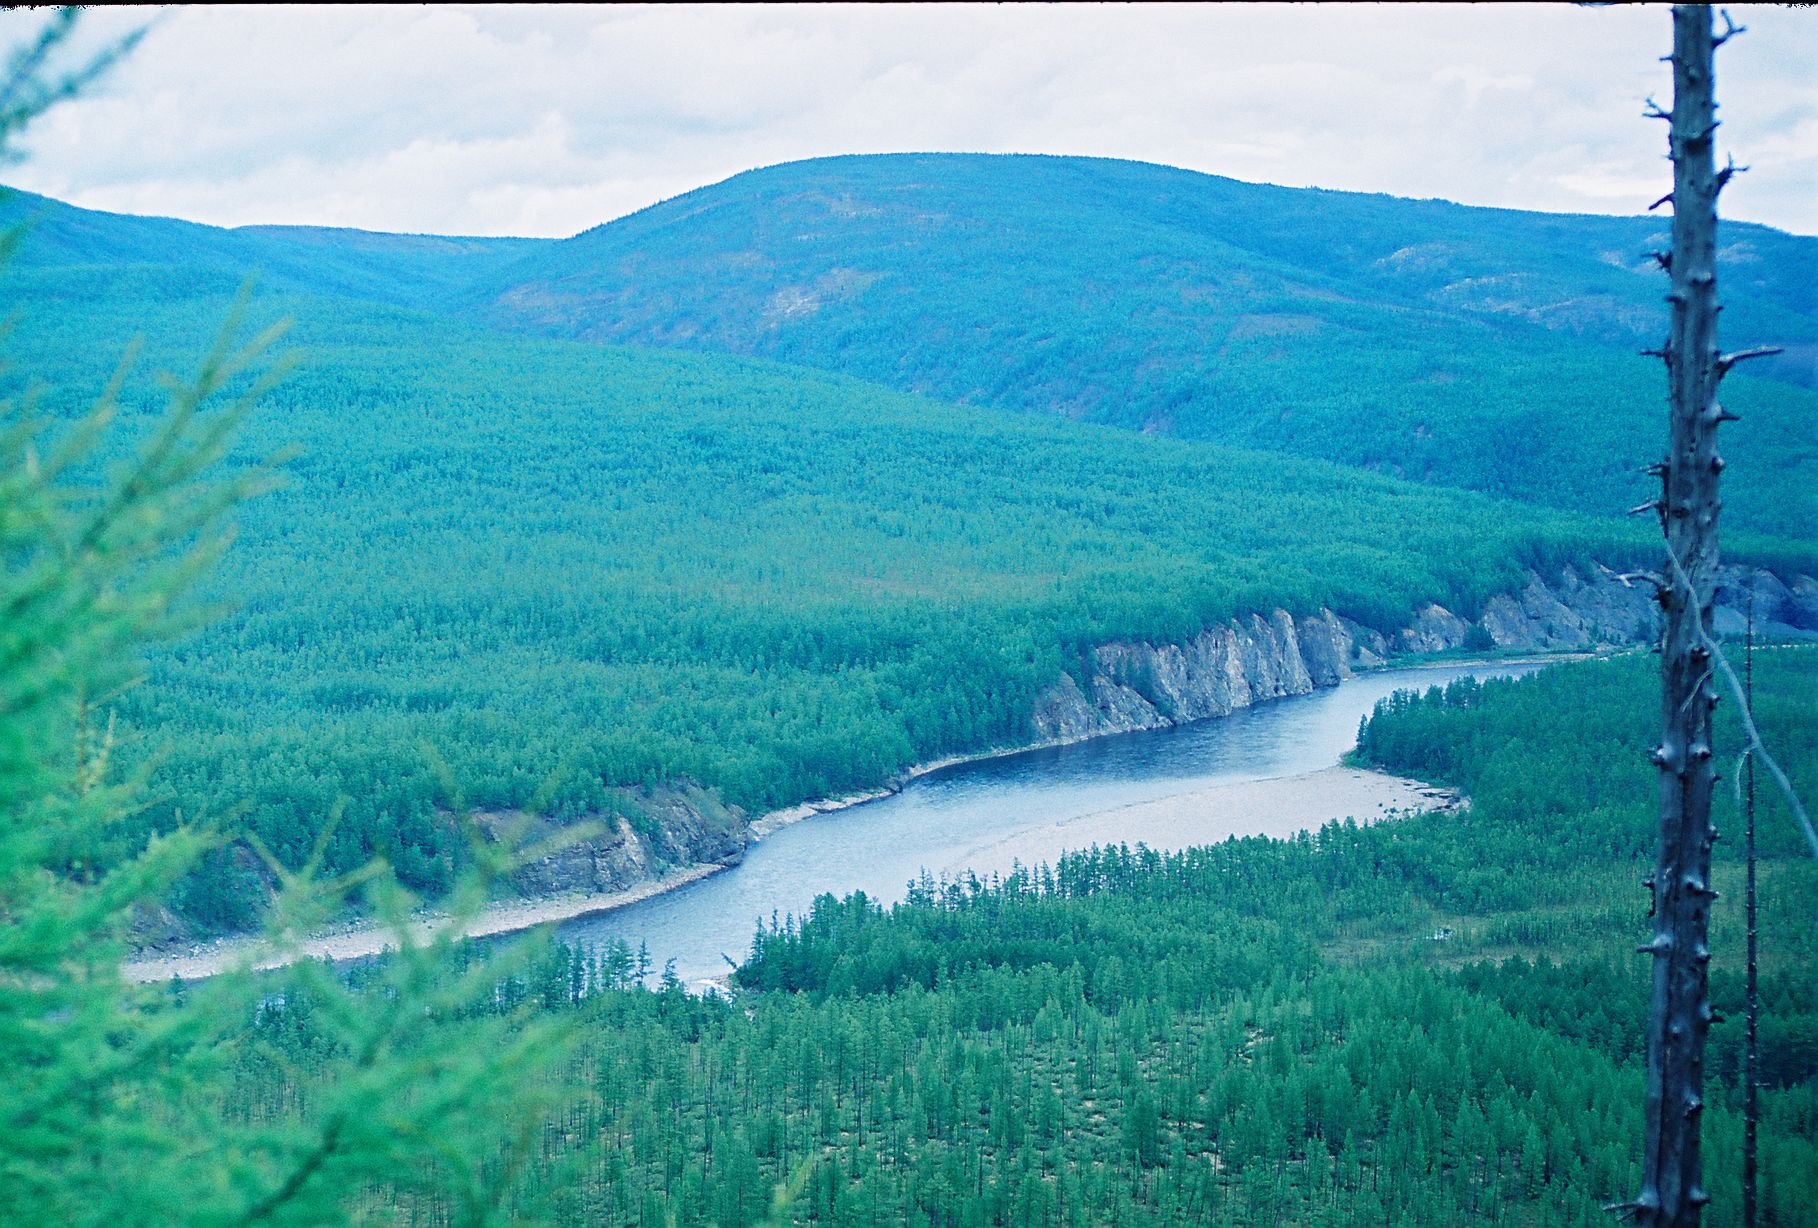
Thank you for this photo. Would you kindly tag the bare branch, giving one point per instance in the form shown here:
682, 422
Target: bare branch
1726, 361
1628, 578
1756, 747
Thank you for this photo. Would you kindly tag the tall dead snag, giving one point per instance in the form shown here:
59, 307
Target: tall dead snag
1672, 1190
1751, 1056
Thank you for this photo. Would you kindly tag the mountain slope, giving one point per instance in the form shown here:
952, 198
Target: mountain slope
1480, 348
580, 571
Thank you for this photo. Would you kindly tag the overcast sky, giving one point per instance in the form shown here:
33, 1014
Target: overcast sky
545, 121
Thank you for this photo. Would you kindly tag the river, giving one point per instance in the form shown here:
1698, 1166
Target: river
1026, 807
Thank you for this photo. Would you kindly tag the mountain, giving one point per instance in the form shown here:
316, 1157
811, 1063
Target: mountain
1483, 348
1487, 349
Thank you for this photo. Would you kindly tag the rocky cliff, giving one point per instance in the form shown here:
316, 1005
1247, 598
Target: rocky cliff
676, 827
1138, 685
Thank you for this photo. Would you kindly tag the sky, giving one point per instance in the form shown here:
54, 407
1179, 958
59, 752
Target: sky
545, 121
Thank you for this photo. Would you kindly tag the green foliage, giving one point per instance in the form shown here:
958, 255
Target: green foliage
1570, 747
577, 572
114, 1112
108, 253
570, 570
113, 1105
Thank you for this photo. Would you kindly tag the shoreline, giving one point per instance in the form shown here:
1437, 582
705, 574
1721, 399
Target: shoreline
359, 939
775, 820
1277, 807
363, 938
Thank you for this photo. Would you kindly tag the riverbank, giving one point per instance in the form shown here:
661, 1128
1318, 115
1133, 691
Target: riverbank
776, 820
359, 939
1279, 806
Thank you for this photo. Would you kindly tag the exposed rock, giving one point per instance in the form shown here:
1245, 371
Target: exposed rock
1434, 629
1598, 610
1781, 611
1537, 617
1804, 594
1138, 685
1506, 623
1133, 684
677, 825
1610, 611
152, 926
1369, 650
1326, 646
1556, 620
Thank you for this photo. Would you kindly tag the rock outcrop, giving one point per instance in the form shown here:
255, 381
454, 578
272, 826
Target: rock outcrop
1598, 610
1434, 629
677, 826
1139, 685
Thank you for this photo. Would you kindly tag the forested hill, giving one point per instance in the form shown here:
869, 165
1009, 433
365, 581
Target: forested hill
1489, 349
1094, 222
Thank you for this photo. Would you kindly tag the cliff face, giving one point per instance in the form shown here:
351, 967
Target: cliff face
1138, 685
1144, 686
678, 826
1589, 611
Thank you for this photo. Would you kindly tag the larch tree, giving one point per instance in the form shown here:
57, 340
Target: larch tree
114, 1106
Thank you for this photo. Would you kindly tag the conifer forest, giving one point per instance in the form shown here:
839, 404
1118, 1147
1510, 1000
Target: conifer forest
468, 701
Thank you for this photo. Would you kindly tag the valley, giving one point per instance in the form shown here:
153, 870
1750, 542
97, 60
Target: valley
942, 689
671, 591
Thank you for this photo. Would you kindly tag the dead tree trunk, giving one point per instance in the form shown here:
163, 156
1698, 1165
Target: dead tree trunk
1672, 1190
1751, 1079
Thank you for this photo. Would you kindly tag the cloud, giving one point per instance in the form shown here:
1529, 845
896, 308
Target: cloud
547, 120
1476, 81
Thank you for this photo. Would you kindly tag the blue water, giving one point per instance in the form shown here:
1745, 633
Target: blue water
970, 816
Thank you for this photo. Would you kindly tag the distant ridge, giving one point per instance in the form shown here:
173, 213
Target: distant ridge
1485, 348
1488, 349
